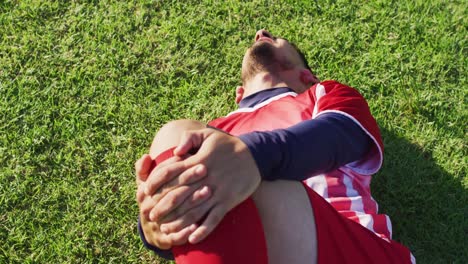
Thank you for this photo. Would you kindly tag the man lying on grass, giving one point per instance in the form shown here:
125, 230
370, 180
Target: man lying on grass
284, 179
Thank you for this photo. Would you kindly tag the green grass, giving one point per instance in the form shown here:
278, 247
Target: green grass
84, 85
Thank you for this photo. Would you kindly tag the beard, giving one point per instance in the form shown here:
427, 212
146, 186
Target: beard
259, 58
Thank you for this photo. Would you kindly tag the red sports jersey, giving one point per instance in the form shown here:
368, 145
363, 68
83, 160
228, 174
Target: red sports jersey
347, 189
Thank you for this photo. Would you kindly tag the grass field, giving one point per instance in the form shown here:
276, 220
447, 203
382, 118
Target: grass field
84, 85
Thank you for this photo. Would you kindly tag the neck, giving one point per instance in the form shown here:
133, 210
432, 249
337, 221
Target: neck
263, 81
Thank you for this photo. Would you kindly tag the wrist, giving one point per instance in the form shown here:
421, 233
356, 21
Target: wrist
249, 161
266, 150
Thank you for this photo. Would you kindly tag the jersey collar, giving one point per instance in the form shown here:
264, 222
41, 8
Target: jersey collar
261, 96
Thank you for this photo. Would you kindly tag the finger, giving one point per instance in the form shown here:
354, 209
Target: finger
187, 177
142, 167
181, 237
172, 200
192, 216
212, 220
201, 194
168, 161
163, 174
155, 167
140, 194
189, 140
146, 206
193, 201
153, 235
193, 174
163, 164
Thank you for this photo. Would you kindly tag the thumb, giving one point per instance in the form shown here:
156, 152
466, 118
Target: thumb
192, 139
143, 167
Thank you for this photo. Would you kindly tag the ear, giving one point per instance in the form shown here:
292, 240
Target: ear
308, 78
239, 94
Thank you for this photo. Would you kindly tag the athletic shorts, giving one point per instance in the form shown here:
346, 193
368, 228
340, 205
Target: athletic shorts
239, 238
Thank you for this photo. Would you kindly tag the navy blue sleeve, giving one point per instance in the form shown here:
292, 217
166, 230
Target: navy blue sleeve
311, 147
167, 254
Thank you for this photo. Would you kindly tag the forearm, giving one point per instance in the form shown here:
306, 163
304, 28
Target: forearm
308, 148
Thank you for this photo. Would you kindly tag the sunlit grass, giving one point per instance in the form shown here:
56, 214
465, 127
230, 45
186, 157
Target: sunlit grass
85, 84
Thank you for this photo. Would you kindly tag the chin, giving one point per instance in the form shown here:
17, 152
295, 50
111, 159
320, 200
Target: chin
262, 54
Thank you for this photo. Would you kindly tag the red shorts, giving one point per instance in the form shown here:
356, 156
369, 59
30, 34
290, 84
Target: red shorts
239, 238
341, 240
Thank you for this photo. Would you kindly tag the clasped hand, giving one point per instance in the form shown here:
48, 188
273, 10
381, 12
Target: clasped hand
185, 197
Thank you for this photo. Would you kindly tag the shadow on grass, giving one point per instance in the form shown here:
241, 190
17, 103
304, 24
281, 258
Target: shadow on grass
428, 206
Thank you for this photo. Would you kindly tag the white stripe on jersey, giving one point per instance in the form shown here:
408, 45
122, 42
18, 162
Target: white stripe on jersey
318, 183
262, 104
389, 226
353, 195
319, 92
367, 221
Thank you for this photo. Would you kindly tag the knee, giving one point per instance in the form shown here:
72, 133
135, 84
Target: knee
181, 125
168, 135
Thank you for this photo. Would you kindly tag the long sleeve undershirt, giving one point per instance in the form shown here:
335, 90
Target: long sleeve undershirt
311, 147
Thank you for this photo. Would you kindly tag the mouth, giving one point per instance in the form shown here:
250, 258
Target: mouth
265, 39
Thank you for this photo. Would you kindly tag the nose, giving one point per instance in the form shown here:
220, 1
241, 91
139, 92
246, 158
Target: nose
263, 33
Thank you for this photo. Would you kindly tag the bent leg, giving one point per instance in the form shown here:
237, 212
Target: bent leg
288, 222
238, 238
169, 135
276, 224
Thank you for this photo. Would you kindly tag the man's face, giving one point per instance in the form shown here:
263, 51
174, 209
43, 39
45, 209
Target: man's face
271, 54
